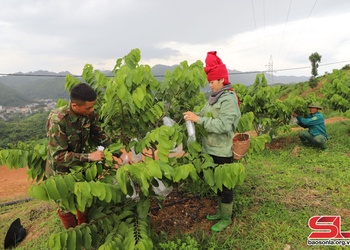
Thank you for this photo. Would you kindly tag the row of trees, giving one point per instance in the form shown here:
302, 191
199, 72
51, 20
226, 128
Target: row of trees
25, 129
132, 105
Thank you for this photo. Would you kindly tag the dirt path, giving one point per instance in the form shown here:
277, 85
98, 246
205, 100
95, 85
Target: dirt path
14, 184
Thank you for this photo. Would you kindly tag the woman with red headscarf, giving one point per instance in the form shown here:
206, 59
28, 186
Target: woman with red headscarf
219, 117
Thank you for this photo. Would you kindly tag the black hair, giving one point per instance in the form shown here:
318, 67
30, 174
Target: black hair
82, 93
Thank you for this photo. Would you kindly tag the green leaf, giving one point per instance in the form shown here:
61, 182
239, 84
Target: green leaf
87, 239
108, 197
82, 190
167, 170
95, 233
61, 186
54, 242
140, 246
163, 157
218, 177
51, 189
38, 192
154, 169
144, 177
122, 179
151, 116
63, 239
91, 172
102, 190
96, 188
138, 96
230, 179
125, 214
143, 207
122, 92
209, 177
72, 240
70, 181
79, 239
68, 203
181, 173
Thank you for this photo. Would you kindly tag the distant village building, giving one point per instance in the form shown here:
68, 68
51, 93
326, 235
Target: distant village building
29, 109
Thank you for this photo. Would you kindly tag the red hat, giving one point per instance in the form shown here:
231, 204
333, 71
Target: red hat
215, 69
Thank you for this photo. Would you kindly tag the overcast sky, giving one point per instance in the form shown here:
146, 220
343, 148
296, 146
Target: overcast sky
64, 35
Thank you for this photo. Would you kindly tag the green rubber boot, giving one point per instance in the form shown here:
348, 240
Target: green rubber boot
216, 216
226, 214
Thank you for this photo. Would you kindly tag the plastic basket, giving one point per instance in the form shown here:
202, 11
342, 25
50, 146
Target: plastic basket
241, 144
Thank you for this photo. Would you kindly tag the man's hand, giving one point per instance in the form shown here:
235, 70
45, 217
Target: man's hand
97, 156
190, 116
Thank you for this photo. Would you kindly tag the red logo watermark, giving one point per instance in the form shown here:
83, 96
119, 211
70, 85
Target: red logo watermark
327, 227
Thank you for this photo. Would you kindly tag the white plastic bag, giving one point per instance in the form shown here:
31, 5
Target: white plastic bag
161, 190
170, 122
135, 157
191, 131
135, 196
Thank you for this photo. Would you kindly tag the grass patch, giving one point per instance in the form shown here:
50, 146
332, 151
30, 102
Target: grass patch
37, 217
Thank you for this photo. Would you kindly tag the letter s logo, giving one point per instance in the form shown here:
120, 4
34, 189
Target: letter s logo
328, 227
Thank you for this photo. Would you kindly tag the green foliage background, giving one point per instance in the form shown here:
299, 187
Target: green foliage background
25, 129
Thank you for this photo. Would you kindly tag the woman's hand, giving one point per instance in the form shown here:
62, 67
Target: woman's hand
190, 116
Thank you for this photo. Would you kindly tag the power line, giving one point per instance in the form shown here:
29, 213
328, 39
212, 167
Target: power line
231, 73
284, 31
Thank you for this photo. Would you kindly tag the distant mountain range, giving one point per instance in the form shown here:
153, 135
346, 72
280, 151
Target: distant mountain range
22, 88
235, 76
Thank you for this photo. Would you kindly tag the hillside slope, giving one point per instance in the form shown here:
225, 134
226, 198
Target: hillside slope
12, 98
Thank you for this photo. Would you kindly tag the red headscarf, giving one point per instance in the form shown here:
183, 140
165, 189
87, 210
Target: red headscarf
215, 69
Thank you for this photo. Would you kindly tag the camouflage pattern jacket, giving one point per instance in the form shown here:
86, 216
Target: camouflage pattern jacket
70, 139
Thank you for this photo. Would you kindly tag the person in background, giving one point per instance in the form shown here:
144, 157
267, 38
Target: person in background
316, 134
71, 130
219, 117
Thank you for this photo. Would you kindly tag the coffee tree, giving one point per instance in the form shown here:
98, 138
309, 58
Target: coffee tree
272, 114
133, 106
337, 90
269, 112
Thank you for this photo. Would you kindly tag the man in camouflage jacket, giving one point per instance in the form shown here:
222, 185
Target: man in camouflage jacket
72, 130
73, 135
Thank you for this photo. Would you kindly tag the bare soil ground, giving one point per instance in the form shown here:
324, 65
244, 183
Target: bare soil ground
14, 184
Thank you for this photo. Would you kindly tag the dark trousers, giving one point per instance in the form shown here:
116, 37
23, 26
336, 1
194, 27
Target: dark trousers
226, 194
318, 140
